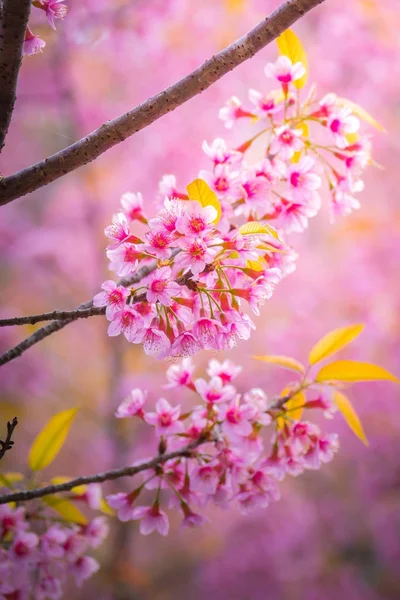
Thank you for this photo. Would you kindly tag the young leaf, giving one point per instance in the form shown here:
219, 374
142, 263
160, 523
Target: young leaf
334, 341
68, 511
290, 45
346, 408
7, 479
256, 265
360, 112
353, 371
50, 440
294, 406
254, 227
283, 361
199, 190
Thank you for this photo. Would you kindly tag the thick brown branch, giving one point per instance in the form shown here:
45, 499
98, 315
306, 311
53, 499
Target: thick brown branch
100, 477
115, 131
8, 443
14, 17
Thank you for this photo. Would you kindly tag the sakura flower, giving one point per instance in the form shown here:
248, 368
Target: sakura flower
343, 201
265, 105
126, 321
236, 418
286, 142
285, 71
157, 244
165, 419
55, 9
206, 332
341, 122
195, 254
197, 220
32, 43
155, 342
294, 215
132, 406
222, 180
322, 451
113, 297
167, 188
96, 531
261, 290
302, 179
256, 192
185, 345
191, 519
52, 542
24, 545
151, 519
180, 375
226, 370
232, 111
204, 479
124, 259
118, 231
83, 568
214, 391
132, 205
220, 153
123, 504
160, 287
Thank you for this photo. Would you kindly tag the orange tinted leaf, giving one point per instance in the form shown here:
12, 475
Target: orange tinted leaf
50, 440
353, 371
200, 190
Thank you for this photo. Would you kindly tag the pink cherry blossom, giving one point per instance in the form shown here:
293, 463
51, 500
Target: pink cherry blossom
161, 288
132, 205
32, 43
197, 220
83, 568
286, 142
341, 122
113, 297
126, 321
204, 479
226, 370
180, 375
214, 391
302, 179
195, 254
151, 519
165, 419
119, 230
219, 152
232, 111
55, 9
284, 70
132, 406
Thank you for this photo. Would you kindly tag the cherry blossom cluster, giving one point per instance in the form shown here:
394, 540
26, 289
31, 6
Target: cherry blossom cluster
302, 144
193, 299
53, 9
246, 444
218, 247
38, 553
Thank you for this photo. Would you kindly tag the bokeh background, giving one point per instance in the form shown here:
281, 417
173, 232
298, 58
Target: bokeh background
335, 533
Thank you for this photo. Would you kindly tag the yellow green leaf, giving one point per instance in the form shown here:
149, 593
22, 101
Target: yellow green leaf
360, 112
254, 228
353, 371
256, 265
7, 479
68, 511
290, 45
333, 341
50, 440
295, 406
200, 190
346, 408
283, 361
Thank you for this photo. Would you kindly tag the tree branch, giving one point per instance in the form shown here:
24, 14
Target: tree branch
101, 477
14, 17
8, 443
113, 132
83, 311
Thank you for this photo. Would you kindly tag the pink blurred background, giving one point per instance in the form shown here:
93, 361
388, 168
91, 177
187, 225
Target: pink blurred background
335, 532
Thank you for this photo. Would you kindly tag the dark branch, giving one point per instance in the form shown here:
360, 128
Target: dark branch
116, 131
101, 477
8, 443
14, 17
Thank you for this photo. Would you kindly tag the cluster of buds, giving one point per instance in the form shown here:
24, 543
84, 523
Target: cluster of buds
39, 552
241, 446
54, 9
222, 240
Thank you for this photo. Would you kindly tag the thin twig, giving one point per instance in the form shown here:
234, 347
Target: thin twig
14, 17
23, 496
8, 442
83, 311
116, 131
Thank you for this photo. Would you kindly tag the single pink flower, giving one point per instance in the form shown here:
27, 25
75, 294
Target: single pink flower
284, 71
55, 9
151, 519
161, 288
165, 419
32, 44
132, 406
113, 297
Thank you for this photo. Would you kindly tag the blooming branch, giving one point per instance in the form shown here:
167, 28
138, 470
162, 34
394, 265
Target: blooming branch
13, 22
116, 131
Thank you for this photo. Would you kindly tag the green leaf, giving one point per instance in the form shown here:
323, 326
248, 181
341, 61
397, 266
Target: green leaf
50, 440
